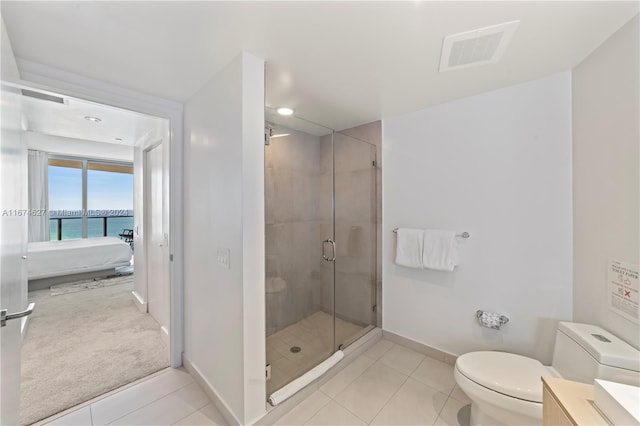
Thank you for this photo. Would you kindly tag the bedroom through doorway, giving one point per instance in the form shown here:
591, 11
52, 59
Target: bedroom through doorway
98, 256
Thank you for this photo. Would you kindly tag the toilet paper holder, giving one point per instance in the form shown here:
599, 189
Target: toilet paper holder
491, 319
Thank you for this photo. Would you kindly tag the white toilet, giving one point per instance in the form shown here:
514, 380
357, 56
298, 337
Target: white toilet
506, 389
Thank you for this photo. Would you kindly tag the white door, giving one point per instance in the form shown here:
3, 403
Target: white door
157, 239
13, 250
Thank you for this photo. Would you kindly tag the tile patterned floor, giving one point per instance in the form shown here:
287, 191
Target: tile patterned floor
387, 385
171, 397
314, 335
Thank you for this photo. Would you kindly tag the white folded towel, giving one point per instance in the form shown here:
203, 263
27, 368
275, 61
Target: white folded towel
292, 388
409, 246
440, 250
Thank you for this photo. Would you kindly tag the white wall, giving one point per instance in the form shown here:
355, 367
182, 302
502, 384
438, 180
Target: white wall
224, 209
606, 177
497, 165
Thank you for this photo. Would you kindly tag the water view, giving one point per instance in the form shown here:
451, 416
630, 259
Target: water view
72, 227
108, 194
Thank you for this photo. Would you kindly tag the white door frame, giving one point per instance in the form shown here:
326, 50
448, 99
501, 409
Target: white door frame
46, 78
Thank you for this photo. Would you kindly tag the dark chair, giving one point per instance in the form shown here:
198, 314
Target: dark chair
127, 236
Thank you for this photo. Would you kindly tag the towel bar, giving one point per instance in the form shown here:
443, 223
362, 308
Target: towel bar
463, 235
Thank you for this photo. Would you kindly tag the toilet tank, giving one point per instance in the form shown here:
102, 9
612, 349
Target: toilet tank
585, 352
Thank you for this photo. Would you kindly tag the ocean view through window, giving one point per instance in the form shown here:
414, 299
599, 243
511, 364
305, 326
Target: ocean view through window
72, 225
102, 205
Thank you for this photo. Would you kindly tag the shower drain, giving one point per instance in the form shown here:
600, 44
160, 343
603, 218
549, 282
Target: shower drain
295, 349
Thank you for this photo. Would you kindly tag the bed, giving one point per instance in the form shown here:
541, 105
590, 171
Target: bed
72, 259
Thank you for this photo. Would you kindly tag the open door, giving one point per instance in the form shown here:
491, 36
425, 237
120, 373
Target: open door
13, 238
157, 244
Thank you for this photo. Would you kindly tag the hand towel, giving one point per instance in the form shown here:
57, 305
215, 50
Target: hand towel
409, 244
440, 250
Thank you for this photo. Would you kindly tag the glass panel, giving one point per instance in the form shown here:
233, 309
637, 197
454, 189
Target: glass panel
109, 199
355, 231
299, 216
65, 199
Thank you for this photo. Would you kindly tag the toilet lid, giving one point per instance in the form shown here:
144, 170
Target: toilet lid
509, 374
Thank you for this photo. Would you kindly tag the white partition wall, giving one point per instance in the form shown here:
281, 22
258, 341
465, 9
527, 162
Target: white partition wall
224, 236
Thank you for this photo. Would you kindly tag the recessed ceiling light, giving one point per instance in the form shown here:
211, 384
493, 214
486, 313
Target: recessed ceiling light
285, 111
92, 118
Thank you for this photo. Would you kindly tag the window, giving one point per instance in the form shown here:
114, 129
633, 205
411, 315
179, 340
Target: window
89, 198
65, 199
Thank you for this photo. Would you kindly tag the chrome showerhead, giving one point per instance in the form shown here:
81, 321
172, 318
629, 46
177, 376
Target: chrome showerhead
270, 133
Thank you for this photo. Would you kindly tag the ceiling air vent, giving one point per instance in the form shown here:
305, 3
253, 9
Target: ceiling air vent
476, 47
42, 96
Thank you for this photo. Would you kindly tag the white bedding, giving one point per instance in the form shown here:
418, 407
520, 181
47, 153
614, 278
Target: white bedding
54, 258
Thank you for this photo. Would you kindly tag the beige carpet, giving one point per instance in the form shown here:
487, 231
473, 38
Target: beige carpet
83, 344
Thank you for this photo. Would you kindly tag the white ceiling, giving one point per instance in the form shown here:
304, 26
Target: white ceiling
68, 120
337, 63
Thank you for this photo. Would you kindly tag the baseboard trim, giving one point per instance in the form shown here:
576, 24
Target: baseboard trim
211, 393
139, 302
420, 347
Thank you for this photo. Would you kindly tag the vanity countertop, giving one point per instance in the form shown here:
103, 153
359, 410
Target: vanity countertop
574, 401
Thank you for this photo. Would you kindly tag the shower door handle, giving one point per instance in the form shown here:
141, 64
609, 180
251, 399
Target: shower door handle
333, 246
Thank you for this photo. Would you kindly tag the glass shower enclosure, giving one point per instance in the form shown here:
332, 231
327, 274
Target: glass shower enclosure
320, 208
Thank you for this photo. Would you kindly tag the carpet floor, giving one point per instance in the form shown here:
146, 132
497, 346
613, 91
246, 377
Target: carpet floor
80, 345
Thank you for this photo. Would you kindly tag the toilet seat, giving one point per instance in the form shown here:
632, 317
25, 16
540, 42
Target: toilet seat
492, 408
512, 375
505, 388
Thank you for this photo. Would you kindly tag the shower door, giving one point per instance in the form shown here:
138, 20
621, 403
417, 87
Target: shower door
320, 191
299, 267
355, 237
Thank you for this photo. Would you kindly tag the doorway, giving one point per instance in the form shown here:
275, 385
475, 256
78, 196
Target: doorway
120, 312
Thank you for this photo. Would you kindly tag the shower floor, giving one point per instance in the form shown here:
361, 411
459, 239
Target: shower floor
314, 336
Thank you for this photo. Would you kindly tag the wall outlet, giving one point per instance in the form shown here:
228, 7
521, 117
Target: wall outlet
268, 371
224, 256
